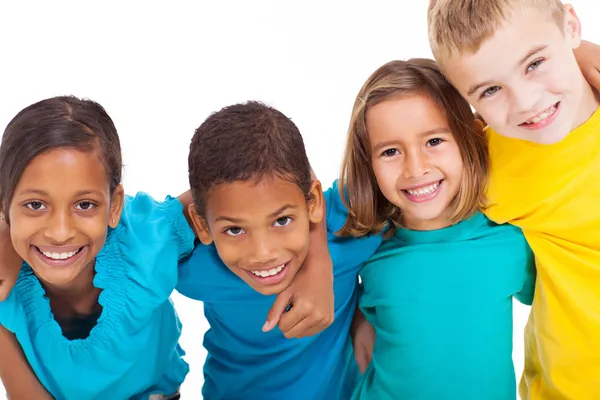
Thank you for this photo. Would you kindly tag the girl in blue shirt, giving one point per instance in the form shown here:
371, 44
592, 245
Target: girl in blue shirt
439, 290
91, 306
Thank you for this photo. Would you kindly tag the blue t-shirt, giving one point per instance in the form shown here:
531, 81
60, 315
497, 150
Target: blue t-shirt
245, 363
133, 350
441, 305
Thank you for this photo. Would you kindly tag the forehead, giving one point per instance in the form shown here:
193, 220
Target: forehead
406, 114
253, 198
63, 171
502, 54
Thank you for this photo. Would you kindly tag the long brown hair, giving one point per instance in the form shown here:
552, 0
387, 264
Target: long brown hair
369, 211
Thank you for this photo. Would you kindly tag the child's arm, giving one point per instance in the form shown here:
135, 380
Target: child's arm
311, 292
363, 340
17, 377
10, 262
588, 58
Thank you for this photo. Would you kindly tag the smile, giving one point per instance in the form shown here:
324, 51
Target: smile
423, 193
269, 276
542, 119
273, 271
60, 258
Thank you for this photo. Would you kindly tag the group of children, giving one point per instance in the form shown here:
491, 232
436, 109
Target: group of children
444, 219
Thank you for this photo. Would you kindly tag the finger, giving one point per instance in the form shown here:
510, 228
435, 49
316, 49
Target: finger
297, 330
281, 303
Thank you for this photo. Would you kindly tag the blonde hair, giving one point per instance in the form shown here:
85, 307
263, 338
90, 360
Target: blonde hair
463, 25
369, 210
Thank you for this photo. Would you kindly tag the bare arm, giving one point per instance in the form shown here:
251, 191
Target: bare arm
17, 376
10, 262
588, 58
363, 340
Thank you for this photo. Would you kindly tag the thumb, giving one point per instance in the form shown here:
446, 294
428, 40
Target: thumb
279, 307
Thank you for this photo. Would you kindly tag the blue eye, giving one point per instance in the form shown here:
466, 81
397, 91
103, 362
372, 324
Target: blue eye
490, 91
535, 65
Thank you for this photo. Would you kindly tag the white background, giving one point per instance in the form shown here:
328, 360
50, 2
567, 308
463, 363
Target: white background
159, 69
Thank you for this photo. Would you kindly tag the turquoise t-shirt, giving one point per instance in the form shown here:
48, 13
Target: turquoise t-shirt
133, 350
245, 363
441, 305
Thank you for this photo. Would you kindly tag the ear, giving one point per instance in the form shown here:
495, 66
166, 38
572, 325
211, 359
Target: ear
116, 206
479, 125
316, 203
572, 26
200, 226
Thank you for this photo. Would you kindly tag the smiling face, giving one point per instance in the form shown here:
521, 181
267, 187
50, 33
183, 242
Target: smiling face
415, 159
524, 80
60, 212
260, 229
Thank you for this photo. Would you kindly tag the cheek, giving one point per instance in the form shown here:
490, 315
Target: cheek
229, 252
453, 164
386, 174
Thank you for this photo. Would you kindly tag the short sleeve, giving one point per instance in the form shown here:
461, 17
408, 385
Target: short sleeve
525, 295
337, 212
158, 221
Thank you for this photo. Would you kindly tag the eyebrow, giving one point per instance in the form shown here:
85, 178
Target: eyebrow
44, 193
273, 214
387, 143
529, 54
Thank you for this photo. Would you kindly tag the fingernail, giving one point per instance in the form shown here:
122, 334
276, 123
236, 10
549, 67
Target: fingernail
266, 326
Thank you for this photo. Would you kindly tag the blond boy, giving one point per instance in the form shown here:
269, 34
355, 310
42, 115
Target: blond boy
513, 61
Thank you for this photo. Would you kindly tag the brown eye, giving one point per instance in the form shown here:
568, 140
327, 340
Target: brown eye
234, 231
85, 205
34, 205
283, 221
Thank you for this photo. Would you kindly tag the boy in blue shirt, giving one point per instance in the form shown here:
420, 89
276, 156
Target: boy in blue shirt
254, 199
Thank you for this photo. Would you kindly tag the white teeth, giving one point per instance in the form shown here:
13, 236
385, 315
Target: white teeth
270, 272
424, 190
60, 256
542, 116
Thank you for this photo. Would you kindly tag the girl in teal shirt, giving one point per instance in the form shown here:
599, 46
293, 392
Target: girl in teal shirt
439, 291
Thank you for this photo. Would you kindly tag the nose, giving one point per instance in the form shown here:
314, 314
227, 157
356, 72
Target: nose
60, 228
416, 164
524, 99
263, 251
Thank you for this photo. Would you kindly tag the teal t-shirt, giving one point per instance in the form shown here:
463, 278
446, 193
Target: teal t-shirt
441, 305
132, 351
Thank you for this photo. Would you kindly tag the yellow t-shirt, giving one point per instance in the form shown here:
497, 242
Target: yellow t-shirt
553, 193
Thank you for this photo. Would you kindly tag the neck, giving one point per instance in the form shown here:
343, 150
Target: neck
77, 290
426, 224
590, 101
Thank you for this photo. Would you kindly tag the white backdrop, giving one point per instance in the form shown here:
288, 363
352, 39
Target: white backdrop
160, 69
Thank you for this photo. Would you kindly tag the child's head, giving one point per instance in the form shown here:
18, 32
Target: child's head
413, 154
253, 193
60, 175
513, 61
